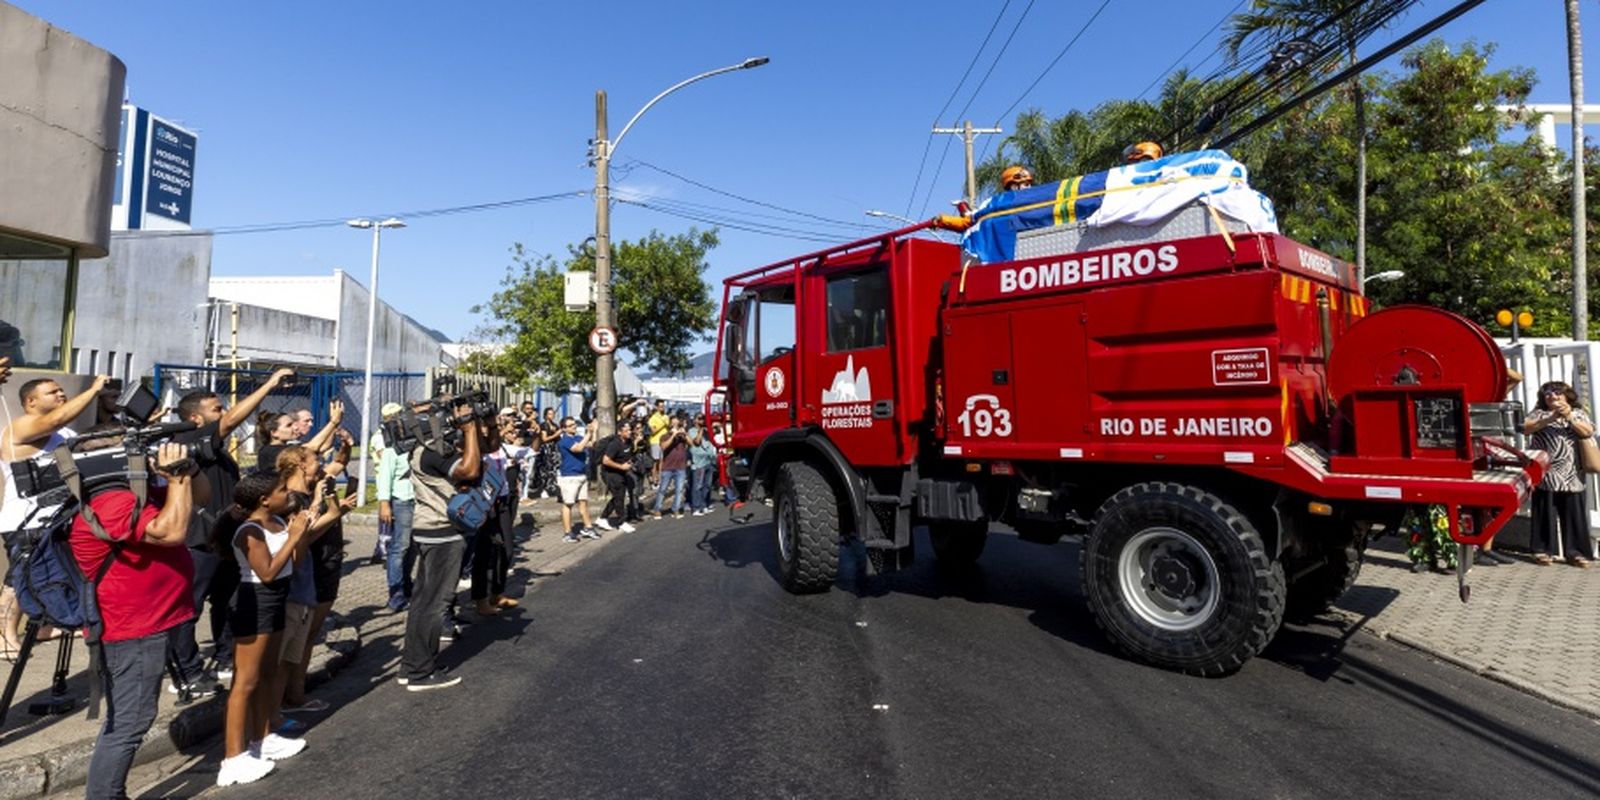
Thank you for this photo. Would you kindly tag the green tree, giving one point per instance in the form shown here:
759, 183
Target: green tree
1293, 19
1078, 142
663, 309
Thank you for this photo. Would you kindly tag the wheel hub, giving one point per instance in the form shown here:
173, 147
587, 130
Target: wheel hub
1173, 577
1169, 579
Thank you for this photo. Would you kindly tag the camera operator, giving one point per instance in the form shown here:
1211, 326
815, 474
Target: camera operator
439, 546
41, 428
145, 600
216, 575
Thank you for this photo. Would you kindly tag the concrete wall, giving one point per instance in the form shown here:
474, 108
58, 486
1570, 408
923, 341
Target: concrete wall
143, 305
60, 98
398, 345
270, 337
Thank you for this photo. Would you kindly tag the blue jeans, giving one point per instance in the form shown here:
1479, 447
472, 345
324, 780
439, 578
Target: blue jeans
674, 477
133, 672
700, 487
400, 556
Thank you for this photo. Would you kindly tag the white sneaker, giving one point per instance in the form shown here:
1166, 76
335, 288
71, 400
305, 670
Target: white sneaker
243, 768
603, 524
626, 528
278, 748
463, 584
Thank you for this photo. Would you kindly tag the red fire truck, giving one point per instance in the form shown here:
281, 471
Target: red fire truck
1218, 417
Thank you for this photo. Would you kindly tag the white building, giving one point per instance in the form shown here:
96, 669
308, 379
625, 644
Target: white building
320, 321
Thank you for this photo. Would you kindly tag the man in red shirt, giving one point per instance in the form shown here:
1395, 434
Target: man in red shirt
144, 598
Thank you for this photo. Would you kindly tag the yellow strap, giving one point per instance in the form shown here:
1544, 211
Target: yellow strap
1222, 226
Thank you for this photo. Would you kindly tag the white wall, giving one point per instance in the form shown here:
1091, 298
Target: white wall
143, 304
313, 296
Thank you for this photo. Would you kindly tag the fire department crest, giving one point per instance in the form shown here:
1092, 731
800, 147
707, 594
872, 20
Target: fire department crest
774, 382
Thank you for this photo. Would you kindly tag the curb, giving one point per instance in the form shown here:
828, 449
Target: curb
1479, 669
67, 765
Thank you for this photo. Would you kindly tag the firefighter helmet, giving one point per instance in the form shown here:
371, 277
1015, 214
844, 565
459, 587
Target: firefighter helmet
1143, 151
1014, 175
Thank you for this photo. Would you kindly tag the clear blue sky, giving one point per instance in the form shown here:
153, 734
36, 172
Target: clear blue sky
312, 110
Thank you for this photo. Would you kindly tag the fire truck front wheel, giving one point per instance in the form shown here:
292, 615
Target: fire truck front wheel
807, 523
1179, 578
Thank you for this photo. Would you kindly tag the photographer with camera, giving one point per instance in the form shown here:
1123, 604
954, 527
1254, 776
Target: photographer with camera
574, 480
436, 474
396, 509
616, 469
41, 428
144, 598
673, 467
216, 574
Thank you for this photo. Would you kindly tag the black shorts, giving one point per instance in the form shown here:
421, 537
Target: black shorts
258, 608
327, 564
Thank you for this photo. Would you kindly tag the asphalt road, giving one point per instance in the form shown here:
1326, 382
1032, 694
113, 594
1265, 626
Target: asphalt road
671, 664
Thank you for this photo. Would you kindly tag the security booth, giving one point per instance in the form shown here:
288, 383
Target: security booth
59, 120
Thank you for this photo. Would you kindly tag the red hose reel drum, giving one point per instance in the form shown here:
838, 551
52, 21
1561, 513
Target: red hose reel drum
1421, 345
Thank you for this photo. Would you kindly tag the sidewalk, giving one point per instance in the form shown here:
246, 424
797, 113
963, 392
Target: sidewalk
1531, 627
44, 755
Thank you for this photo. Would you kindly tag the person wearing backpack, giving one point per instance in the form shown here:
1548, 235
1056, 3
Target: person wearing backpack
144, 598
435, 479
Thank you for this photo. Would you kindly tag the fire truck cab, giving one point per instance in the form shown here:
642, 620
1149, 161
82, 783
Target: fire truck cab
1218, 417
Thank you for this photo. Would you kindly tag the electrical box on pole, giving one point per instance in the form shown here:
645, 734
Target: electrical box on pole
579, 294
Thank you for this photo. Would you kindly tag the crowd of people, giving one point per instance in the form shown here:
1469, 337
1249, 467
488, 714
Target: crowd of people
258, 552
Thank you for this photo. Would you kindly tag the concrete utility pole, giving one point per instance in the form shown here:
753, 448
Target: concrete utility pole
605, 407
1580, 214
967, 133
605, 378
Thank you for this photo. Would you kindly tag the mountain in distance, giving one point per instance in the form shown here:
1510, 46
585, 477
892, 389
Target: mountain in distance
699, 369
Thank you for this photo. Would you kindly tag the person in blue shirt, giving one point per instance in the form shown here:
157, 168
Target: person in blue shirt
573, 480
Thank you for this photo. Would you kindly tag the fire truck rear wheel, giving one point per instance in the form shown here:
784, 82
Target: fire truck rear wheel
807, 524
1179, 578
1316, 592
958, 544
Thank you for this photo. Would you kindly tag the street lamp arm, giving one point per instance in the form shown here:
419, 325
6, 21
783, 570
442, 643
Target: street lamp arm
611, 147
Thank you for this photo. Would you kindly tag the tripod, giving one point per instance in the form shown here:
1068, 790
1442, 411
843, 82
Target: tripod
59, 701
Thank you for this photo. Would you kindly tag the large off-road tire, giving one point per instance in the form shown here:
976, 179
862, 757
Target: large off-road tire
1179, 578
1317, 591
957, 545
807, 525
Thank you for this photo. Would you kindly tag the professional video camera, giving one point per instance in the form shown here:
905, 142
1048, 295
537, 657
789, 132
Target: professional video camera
434, 424
108, 466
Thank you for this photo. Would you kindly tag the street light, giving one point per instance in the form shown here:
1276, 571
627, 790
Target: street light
873, 212
604, 148
1385, 276
372, 322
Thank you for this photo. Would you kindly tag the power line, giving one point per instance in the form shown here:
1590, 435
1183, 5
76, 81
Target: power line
1170, 67
750, 200
951, 99
945, 154
278, 227
1050, 66
748, 227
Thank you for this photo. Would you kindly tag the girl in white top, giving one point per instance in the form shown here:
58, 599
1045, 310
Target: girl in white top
264, 545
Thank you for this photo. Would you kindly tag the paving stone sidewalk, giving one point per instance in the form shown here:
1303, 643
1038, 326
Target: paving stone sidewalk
45, 755
1535, 628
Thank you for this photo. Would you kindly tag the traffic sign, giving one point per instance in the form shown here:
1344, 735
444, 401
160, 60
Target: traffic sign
603, 340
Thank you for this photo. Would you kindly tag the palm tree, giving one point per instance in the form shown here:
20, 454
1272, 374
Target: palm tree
1580, 236
1289, 19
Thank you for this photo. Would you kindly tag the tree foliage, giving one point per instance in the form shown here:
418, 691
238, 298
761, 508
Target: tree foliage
663, 308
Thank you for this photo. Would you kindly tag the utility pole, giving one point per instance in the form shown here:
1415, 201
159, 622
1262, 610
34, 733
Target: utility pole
1580, 214
605, 407
967, 132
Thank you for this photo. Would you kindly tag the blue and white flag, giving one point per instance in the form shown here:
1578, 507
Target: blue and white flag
1135, 194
